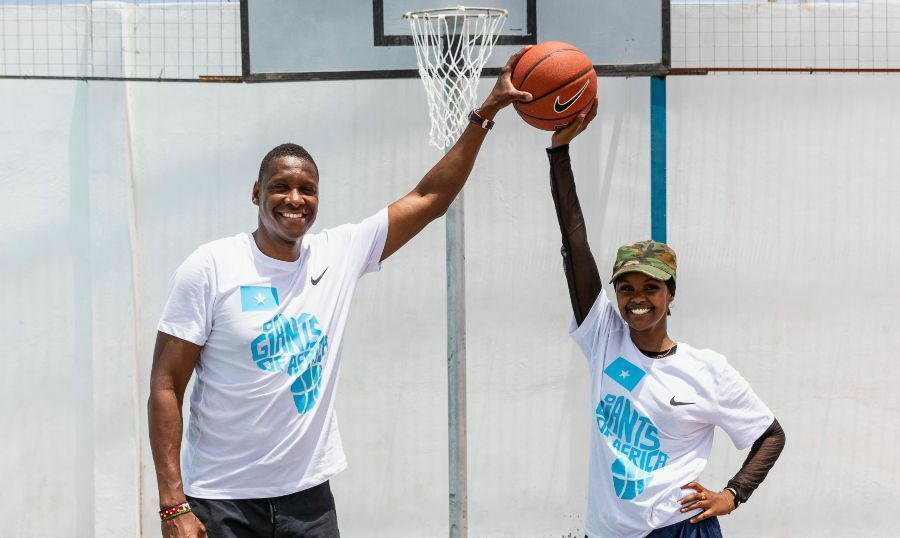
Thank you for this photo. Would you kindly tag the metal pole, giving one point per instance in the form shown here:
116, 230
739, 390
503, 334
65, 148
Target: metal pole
456, 345
456, 367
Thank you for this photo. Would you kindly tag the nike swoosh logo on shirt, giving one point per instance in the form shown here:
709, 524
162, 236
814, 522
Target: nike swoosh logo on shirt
674, 403
316, 280
562, 107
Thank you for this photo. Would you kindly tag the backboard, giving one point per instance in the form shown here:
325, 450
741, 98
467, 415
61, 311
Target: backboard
353, 39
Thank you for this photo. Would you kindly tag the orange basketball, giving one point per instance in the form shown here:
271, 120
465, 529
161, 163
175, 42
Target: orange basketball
561, 81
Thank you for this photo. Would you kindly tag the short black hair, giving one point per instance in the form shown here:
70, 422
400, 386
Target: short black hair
671, 285
285, 150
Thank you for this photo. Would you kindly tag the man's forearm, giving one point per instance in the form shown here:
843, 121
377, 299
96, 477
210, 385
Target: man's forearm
166, 426
446, 178
582, 275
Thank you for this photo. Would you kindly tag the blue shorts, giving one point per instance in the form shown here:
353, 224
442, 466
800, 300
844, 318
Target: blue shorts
708, 528
306, 514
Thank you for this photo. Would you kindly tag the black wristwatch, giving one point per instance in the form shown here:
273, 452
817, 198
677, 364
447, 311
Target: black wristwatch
484, 123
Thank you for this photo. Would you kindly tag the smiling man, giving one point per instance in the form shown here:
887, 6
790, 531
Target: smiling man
260, 317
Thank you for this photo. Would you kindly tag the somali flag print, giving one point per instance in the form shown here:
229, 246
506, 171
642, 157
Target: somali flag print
258, 298
624, 373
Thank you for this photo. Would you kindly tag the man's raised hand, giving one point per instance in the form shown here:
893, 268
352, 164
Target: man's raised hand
504, 92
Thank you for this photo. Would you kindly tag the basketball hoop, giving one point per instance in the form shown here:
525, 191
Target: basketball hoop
452, 46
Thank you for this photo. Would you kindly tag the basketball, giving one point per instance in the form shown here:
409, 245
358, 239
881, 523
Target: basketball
561, 81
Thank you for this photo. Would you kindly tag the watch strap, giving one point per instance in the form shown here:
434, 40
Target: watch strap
477, 119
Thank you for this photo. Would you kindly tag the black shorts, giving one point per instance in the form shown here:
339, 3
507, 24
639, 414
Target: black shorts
306, 514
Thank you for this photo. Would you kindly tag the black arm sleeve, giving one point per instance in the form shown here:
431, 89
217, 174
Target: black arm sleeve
581, 269
761, 458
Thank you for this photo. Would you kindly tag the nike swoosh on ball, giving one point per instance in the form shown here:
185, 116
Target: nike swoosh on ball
562, 107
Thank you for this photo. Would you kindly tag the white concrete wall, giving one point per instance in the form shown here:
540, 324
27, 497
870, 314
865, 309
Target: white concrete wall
781, 201
783, 197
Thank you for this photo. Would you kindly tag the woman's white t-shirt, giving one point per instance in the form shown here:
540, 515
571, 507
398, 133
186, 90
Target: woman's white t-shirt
653, 424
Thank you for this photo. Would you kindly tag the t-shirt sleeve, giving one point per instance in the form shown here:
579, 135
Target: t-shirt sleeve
741, 413
367, 244
596, 327
187, 313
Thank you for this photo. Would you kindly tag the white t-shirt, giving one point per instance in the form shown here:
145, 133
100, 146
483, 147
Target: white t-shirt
262, 422
653, 424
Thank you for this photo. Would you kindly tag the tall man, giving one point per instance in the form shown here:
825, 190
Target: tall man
261, 317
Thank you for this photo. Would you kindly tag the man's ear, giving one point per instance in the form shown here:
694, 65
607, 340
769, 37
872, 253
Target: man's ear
255, 196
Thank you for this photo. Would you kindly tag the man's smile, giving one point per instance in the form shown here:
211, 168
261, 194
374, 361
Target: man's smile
292, 215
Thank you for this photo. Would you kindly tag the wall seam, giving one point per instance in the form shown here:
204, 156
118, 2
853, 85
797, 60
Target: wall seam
135, 308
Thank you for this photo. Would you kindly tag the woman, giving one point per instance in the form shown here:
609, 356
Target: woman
657, 401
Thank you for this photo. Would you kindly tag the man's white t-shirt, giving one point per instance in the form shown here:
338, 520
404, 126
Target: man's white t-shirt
262, 422
653, 424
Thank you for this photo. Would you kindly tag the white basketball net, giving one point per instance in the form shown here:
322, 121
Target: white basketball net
452, 45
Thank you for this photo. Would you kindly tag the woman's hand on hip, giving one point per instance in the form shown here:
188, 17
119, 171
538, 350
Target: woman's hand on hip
712, 503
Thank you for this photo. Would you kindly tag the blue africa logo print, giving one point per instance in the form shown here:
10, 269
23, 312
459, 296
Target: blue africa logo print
628, 480
295, 346
634, 440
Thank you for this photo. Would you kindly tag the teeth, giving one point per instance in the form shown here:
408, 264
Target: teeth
639, 311
292, 215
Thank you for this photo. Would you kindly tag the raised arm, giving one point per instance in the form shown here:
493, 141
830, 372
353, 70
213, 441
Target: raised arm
173, 362
580, 267
434, 193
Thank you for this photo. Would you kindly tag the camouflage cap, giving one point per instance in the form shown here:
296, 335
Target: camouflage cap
649, 257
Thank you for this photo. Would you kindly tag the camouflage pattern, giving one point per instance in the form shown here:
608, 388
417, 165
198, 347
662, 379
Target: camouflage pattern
649, 257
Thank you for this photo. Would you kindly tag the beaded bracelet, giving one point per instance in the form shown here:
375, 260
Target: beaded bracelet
174, 511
